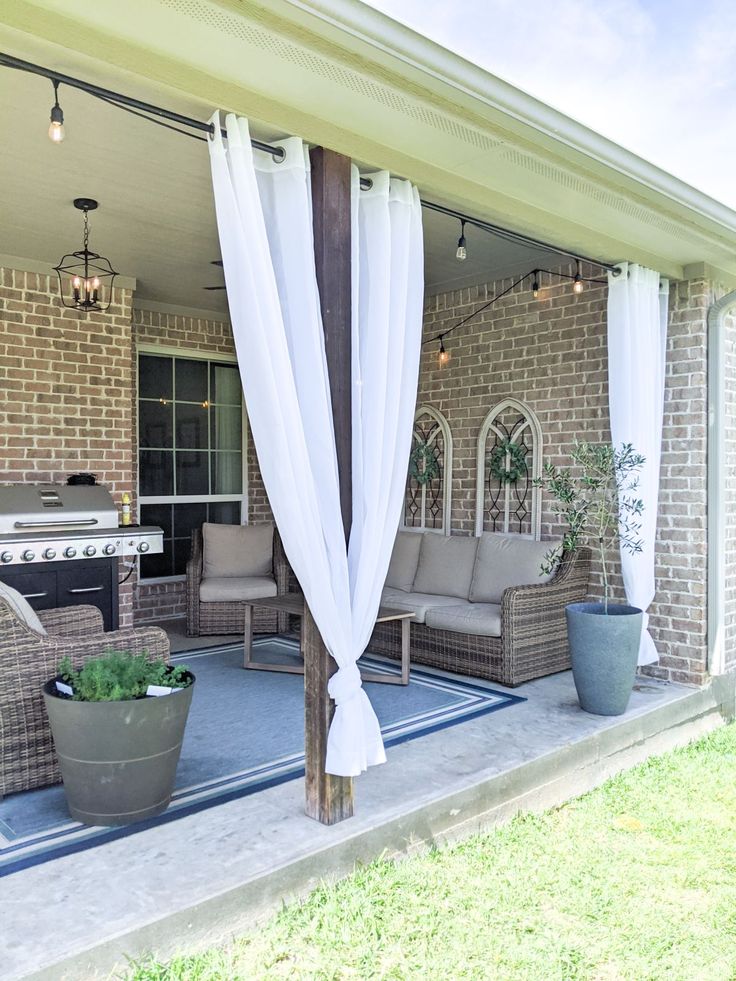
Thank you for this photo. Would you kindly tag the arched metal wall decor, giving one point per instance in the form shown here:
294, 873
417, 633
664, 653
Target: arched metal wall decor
509, 460
428, 497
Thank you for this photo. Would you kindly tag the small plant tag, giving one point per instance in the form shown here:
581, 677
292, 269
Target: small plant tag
64, 689
158, 690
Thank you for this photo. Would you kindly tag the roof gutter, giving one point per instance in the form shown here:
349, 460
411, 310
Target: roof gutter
381, 32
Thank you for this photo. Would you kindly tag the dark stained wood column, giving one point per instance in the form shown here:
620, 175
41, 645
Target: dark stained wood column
329, 799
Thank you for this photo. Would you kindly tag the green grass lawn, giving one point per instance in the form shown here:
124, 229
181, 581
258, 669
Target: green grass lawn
635, 880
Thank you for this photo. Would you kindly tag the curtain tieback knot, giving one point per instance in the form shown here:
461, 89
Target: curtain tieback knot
344, 684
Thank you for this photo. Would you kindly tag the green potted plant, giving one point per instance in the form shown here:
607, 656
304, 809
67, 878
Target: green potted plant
118, 725
597, 500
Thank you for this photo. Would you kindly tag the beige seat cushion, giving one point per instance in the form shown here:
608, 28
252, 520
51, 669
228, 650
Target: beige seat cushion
404, 560
22, 609
445, 564
508, 560
416, 603
481, 619
229, 589
236, 551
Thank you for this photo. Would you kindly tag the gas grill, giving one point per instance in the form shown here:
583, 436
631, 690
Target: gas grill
59, 545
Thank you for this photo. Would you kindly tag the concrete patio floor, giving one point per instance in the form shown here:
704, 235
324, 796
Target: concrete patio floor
202, 878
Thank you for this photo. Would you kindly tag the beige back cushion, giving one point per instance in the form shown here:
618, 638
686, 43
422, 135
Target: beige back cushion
404, 560
22, 608
237, 550
509, 560
445, 564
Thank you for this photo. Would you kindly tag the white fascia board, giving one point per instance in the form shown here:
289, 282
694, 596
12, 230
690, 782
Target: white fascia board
417, 52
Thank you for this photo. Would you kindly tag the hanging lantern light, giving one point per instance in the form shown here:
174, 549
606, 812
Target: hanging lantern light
85, 278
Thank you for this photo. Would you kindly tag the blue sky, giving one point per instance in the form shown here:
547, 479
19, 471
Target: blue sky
657, 77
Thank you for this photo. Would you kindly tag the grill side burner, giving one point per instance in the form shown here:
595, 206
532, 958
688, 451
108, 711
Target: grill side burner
60, 545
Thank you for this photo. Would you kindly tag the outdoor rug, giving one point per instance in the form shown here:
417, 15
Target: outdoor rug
245, 733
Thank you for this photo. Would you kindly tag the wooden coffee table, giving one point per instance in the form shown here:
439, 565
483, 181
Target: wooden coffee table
294, 603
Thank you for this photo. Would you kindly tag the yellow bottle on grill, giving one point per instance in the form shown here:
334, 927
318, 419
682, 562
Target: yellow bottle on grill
125, 515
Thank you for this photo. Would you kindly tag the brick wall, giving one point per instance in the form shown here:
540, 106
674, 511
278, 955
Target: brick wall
66, 379
551, 354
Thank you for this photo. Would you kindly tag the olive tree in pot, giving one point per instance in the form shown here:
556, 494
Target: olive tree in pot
118, 725
597, 500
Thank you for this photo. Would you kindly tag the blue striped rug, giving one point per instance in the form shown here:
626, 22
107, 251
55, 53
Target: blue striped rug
245, 733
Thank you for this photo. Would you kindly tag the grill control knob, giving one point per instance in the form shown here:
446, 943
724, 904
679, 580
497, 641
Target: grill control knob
49, 553
6, 557
28, 555
109, 549
89, 550
143, 546
70, 552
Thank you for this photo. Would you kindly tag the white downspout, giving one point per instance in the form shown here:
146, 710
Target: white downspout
717, 480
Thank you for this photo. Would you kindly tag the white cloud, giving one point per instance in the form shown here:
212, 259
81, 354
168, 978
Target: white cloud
656, 76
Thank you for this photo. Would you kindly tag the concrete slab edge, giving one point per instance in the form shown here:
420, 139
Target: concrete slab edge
545, 782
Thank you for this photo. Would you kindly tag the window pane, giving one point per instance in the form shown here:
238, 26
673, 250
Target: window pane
153, 566
155, 377
155, 424
191, 473
191, 380
227, 473
182, 550
187, 517
226, 427
191, 427
157, 514
225, 512
156, 473
225, 384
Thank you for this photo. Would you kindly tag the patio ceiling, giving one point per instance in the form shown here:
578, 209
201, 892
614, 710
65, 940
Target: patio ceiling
156, 218
342, 75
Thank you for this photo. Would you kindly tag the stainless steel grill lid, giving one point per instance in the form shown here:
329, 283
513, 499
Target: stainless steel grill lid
29, 508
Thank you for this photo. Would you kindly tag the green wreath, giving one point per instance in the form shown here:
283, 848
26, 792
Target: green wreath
517, 460
423, 465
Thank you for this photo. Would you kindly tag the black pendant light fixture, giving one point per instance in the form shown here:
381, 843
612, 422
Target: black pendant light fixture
85, 278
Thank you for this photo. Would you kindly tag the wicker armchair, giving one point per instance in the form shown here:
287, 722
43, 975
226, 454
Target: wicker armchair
533, 639
27, 661
228, 617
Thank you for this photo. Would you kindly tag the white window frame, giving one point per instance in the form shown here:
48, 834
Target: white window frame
196, 354
532, 425
444, 428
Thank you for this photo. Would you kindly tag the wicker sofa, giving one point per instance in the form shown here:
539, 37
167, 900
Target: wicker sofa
230, 564
481, 605
28, 658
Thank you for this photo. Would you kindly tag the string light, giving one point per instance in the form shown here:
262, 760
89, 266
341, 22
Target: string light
577, 283
443, 357
535, 284
56, 126
461, 253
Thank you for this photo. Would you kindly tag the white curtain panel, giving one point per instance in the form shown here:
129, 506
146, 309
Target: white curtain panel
637, 349
264, 218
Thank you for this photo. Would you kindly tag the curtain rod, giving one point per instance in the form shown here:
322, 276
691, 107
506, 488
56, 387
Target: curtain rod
138, 107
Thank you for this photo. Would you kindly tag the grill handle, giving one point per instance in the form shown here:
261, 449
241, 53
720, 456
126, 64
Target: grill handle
57, 524
86, 589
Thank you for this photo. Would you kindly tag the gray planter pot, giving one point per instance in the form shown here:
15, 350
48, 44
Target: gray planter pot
118, 759
604, 650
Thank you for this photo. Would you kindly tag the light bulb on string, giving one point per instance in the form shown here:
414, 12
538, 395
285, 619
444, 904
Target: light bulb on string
56, 125
535, 284
577, 283
443, 357
461, 253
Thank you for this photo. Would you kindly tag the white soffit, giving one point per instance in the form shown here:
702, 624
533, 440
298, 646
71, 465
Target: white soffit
350, 78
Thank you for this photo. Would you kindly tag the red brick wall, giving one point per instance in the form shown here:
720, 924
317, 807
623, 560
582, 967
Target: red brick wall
66, 379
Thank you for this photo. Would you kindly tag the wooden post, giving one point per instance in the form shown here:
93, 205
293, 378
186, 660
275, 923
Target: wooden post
329, 799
